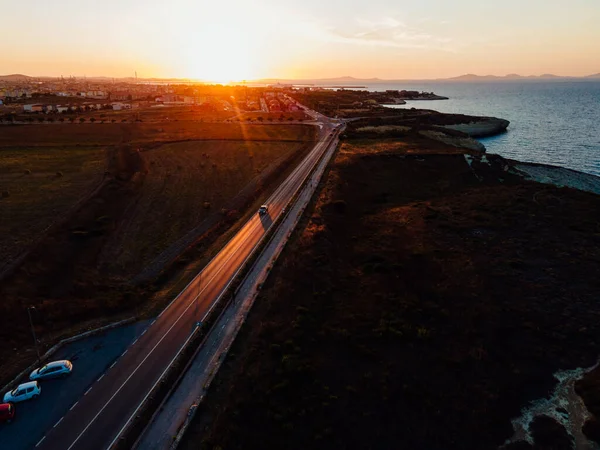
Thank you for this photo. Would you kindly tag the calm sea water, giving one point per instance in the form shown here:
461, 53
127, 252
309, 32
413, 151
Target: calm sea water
550, 122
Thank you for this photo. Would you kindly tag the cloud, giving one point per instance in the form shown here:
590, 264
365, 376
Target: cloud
385, 32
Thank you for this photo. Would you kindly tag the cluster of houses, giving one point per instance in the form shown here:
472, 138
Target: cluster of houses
280, 102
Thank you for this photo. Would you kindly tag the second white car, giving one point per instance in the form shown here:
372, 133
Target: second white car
55, 369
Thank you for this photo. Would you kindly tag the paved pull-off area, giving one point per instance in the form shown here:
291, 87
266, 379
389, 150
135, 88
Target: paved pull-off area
92, 358
97, 419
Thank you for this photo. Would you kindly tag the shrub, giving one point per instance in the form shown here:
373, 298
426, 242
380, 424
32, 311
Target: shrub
5, 194
59, 174
206, 205
339, 206
27, 172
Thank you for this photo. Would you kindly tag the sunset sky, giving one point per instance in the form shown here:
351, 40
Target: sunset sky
235, 40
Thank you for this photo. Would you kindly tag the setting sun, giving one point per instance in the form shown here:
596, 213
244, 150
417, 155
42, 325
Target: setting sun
221, 54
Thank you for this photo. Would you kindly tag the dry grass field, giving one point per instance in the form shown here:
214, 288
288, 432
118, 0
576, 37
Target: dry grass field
186, 183
39, 185
86, 134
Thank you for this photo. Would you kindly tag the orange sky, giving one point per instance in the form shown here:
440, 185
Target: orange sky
238, 40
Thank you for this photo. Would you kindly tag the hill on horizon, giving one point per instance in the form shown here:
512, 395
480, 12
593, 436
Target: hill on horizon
334, 80
14, 77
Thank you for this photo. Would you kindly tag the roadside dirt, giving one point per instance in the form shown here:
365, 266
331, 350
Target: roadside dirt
422, 304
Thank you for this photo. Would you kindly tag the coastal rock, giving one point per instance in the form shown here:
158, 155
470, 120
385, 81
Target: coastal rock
455, 141
558, 176
487, 126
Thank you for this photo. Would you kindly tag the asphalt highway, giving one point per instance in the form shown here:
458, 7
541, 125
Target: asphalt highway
96, 420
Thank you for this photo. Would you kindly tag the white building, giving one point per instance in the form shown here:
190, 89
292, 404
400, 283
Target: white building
120, 106
96, 94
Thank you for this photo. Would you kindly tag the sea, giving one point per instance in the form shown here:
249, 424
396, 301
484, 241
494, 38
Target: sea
551, 122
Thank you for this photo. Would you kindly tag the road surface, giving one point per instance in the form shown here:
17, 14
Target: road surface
96, 420
91, 358
174, 415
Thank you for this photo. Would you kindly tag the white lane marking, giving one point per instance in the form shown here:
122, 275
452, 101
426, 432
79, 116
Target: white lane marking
122, 354
90, 388
74, 404
251, 226
101, 376
134, 341
143, 333
61, 419
113, 364
40, 441
233, 252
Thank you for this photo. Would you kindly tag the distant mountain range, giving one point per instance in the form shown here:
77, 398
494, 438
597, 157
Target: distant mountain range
467, 77
514, 76
346, 80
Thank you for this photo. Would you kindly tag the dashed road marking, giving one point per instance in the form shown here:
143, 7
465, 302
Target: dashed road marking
113, 364
86, 392
56, 424
74, 404
101, 376
40, 441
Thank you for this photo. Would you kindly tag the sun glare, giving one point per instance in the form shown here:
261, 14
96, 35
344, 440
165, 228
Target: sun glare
222, 54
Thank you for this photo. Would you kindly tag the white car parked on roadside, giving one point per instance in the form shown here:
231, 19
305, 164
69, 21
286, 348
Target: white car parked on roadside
23, 392
54, 369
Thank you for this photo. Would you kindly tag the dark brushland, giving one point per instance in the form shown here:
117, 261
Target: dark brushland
428, 295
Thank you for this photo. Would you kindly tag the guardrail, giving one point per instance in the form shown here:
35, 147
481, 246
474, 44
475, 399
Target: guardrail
129, 435
195, 407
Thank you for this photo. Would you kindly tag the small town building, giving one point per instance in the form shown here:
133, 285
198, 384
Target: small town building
33, 108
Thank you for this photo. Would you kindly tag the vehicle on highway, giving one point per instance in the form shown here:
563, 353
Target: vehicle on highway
7, 412
264, 209
54, 369
23, 392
